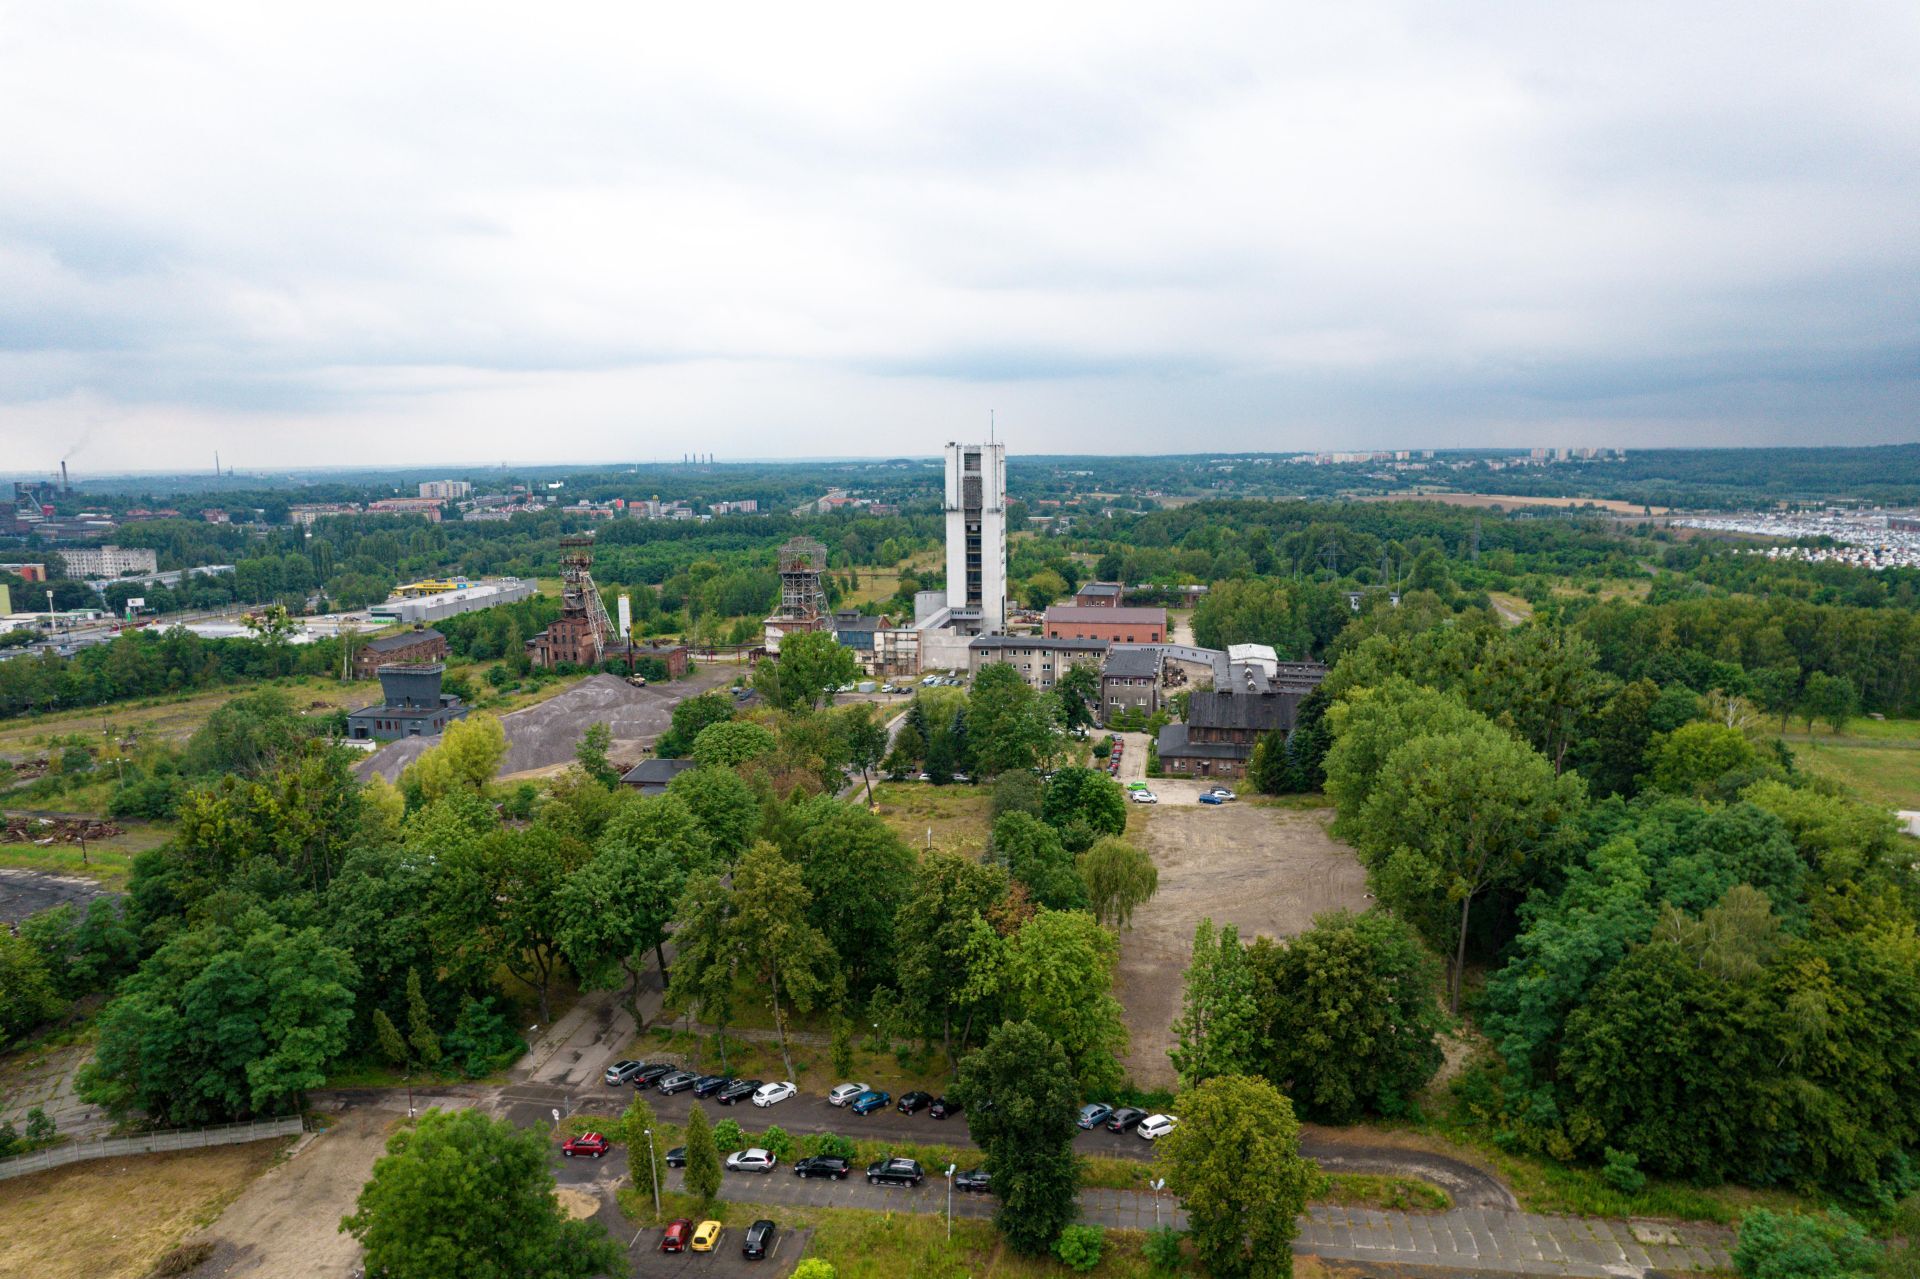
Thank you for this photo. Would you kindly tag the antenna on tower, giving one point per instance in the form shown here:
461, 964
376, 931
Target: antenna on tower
990, 426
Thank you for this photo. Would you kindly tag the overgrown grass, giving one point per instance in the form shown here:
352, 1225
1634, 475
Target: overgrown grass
956, 816
110, 861
1882, 771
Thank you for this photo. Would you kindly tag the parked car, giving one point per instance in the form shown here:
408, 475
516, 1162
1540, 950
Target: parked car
870, 1100
1133, 786
674, 1238
587, 1143
622, 1072
677, 1157
738, 1090
973, 1181
678, 1081
752, 1159
707, 1085
1224, 792
651, 1075
1210, 798
1154, 1127
1093, 1114
844, 1093
1125, 1119
823, 1166
759, 1239
706, 1235
1143, 797
944, 1106
895, 1172
915, 1101
773, 1094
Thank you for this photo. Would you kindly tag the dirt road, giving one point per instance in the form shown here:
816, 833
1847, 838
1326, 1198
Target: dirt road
1266, 870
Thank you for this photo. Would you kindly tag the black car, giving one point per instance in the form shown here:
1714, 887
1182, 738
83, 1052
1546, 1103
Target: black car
759, 1239
974, 1181
652, 1075
677, 1081
944, 1106
677, 1157
707, 1085
823, 1166
915, 1101
738, 1090
1125, 1119
895, 1172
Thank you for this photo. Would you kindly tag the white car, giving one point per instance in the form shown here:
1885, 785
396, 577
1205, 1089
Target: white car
1154, 1127
754, 1160
768, 1094
1222, 792
1143, 797
845, 1093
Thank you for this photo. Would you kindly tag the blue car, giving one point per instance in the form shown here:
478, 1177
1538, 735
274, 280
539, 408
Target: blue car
869, 1101
1211, 798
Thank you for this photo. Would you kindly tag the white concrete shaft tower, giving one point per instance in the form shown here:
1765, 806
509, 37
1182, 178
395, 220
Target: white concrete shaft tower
977, 533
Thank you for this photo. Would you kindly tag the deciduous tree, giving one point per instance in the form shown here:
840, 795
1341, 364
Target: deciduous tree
1059, 976
1218, 1030
1119, 878
1234, 1161
1019, 1095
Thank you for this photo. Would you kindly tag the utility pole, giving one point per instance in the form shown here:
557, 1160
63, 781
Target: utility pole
1157, 1187
950, 1168
653, 1170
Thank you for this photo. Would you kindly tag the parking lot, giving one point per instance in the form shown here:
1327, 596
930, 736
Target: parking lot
788, 1247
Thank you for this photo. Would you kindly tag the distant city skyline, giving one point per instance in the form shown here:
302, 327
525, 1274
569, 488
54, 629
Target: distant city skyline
356, 235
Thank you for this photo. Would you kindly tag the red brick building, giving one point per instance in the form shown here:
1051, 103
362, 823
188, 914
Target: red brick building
1115, 625
408, 647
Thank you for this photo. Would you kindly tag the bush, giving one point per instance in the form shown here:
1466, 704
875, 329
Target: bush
1078, 1247
777, 1142
185, 1259
10, 1142
1622, 1172
831, 1144
814, 1268
481, 1041
1794, 1246
1162, 1250
727, 1137
149, 797
40, 1127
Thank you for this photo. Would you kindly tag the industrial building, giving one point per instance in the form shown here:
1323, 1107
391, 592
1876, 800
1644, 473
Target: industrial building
408, 647
108, 561
1041, 662
1224, 725
1099, 595
582, 633
653, 776
803, 592
437, 606
1111, 623
414, 706
1142, 676
976, 508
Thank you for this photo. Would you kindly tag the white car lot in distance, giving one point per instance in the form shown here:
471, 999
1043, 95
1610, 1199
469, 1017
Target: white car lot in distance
844, 1093
768, 1094
1221, 791
1143, 797
756, 1159
1154, 1127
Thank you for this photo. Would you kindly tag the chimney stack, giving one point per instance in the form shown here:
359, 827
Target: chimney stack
64, 486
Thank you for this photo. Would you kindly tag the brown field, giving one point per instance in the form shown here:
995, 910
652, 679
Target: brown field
957, 815
1268, 871
111, 1218
170, 719
1510, 500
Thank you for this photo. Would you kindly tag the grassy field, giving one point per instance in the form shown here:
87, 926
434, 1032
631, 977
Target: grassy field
1879, 760
956, 815
109, 861
171, 719
111, 1218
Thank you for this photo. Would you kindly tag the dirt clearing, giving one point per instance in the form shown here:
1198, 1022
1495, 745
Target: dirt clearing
287, 1224
112, 1218
1268, 871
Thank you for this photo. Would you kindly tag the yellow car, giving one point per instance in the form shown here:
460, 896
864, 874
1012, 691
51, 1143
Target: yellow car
705, 1236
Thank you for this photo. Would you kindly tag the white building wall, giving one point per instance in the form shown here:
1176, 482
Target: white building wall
992, 517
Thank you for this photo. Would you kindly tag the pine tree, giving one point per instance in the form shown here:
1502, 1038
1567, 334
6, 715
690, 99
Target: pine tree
702, 1177
1218, 1029
426, 1044
384, 1033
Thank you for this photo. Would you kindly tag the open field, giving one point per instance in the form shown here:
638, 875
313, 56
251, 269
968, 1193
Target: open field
1266, 870
1881, 772
170, 719
957, 815
111, 1218
106, 861
1510, 500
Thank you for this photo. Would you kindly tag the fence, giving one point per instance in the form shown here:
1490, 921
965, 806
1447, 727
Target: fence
149, 1144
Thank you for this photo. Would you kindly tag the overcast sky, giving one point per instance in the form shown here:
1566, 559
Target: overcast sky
394, 232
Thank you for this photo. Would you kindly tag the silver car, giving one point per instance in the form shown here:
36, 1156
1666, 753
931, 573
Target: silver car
622, 1072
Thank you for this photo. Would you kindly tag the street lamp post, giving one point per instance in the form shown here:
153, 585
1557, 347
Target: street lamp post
1157, 1186
653, 1173
950, 1168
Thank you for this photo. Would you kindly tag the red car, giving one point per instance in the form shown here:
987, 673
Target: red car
587, 1143
674, 1239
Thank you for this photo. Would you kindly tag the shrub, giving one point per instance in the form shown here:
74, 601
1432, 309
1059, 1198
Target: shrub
814, 1268
727, 1137
40, 1127
1162, 1250
834, 1145
777, 1142
1622, 1172
1078, 1247
185, 1259
1791, 1245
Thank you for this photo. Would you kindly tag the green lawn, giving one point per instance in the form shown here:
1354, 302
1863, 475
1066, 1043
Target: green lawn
956, 816
1879, 760
109, 861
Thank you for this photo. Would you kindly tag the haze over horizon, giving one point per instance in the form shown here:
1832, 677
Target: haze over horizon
362, 236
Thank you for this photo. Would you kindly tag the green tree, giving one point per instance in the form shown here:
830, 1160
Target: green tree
1832, 698
501, 899
866, 732
1777, 689
812, 666
1078, 693
1792, 1245
689, 717
1455, 814
780, 948
1019, 1097
1084, 800
1059, 976
857, 871
1016, 793
249, 736
731, 744
1618, 749
723, 805
592, 755
1079, 1247
461, 1194
813, 1268
27, 993
1033, 855
935, 925
420, 1033
1119, 879
1693, 758
1218, 1030
1009, 725
387, 1036
468, 755
1348, 1015
707, 954
1234, 1161
1369, 724
702, 1174
636, 1122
